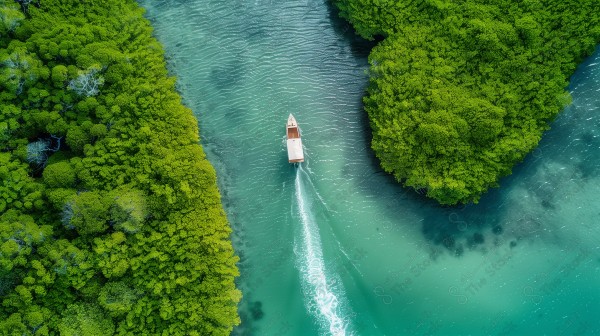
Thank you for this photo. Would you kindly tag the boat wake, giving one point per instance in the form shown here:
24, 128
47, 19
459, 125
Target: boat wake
319, 289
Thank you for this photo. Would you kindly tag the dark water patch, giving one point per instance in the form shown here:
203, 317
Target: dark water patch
247, 326
256, 310
236, 116
497, 229
478, 238
459, 251
548, 205
360, 47
228, 74
255, 29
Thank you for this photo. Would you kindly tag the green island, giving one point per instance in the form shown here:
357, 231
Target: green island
110, 217
461, 91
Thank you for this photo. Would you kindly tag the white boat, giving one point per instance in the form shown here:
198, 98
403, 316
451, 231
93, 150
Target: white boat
294, 143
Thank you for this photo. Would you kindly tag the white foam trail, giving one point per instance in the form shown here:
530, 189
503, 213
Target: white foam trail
300, 170
316, 285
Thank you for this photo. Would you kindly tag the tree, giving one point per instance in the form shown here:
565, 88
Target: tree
59, 75
128, 210
87, 83
87, 213
117, 298
59, 175
85, 319
10, 18
77, 138
13, 325
37, 152
98, 130
20, 69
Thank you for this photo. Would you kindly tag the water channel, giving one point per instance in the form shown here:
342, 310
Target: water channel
335, 246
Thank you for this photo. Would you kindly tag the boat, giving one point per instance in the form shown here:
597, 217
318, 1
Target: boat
294, 142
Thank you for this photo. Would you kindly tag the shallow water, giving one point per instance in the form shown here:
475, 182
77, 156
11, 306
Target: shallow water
335, 246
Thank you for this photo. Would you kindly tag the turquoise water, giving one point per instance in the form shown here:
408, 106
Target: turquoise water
334, 246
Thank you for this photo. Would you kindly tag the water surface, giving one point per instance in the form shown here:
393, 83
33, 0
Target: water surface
336, 246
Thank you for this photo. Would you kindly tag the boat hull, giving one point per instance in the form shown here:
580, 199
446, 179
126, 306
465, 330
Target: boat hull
294, 143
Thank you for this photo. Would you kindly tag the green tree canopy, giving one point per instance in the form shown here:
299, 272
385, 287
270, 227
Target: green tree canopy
88, 212
59, 175
85, 319
110, 217
461, 91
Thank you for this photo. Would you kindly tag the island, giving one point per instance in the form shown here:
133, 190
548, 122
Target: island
461, 91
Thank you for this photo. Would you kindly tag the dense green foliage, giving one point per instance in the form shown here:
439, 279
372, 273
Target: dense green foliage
110, 218
462, 90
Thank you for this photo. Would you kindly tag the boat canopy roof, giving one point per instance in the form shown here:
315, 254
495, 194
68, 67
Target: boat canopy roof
294, 149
